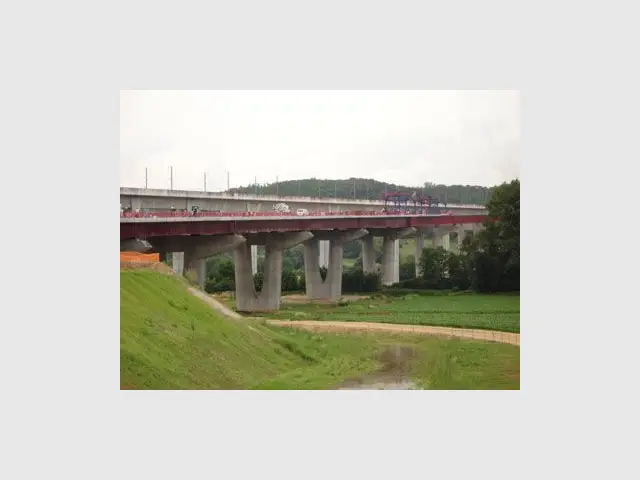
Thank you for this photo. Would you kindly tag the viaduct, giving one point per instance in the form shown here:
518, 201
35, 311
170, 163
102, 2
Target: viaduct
244, 222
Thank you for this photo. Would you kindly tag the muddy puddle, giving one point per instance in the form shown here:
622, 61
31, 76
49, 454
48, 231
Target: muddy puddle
394, 375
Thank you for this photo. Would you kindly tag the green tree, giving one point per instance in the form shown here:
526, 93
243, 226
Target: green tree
434, 263
494, 253
290, 280
459, 271
407, 268
352, 249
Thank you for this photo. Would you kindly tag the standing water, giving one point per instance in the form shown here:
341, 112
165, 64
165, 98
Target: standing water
392, 376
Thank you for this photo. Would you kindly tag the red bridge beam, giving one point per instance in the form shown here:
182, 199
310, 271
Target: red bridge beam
221, 227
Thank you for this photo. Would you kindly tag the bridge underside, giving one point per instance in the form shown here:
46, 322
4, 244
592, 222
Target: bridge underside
322, 247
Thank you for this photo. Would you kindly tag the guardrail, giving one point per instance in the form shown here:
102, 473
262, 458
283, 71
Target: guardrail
351, 213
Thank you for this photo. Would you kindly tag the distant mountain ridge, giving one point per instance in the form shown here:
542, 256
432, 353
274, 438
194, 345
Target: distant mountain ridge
368, 189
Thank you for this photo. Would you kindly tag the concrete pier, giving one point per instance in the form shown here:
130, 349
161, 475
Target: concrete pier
368, 255
268, 299
331, 287
391, 254
418, 254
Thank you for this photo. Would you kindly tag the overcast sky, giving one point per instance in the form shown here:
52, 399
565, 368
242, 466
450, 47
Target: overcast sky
401, 137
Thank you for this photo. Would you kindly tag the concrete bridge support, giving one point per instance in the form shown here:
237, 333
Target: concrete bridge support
368, 254
391, 254
191, 252
198, 266
331, 287
195, 257
463, 232
441, 237
396, 263
268, 299
178, 262
418, 254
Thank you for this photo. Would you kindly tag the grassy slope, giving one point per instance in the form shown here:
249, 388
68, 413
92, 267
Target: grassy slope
171, 340
492, 312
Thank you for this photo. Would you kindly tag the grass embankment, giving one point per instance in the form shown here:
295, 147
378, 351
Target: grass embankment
172, 340
489, 312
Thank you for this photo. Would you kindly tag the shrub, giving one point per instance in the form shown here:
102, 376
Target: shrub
214, 286
258, 280
356, 281
290, 281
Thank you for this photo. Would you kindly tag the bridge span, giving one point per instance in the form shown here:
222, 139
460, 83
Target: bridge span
158, 200
191, 239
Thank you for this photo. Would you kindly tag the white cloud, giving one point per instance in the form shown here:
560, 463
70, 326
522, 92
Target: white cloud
402, 137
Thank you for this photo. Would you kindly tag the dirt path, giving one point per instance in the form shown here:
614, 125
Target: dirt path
486, 335
213, 303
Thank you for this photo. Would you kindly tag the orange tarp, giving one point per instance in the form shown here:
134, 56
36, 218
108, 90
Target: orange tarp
135, 257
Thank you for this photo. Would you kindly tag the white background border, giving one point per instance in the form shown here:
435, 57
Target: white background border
64, 415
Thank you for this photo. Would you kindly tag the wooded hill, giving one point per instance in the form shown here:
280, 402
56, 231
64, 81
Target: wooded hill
368, 189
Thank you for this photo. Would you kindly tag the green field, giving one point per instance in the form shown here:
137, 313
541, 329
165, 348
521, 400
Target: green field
490, 312
172, 340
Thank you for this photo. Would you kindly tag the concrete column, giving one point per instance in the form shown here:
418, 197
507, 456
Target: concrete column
178, 262
391, 254
247, 299
462, 233
312, 267
268, 299
368, 254
198, 266
396, 263
192, 253
441, 237
254, 259
323, 252
418, 255
331, 287
388, 260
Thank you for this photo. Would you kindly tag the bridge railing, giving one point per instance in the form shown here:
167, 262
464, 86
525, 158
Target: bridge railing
187, 214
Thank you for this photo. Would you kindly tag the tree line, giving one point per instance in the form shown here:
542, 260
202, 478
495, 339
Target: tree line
368, 189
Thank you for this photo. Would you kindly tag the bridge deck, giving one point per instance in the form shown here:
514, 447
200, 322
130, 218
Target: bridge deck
149, 226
